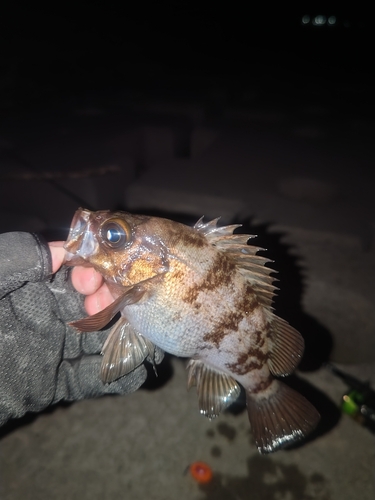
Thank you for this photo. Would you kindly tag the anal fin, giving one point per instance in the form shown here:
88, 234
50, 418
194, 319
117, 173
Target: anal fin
279, 416
123, 351
286, 347
216, 390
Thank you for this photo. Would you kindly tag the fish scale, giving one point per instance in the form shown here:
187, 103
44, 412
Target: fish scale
201, 293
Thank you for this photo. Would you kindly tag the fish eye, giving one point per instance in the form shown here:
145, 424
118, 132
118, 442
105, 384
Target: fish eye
115, 233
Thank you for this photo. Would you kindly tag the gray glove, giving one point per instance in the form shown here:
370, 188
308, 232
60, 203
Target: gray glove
42, 359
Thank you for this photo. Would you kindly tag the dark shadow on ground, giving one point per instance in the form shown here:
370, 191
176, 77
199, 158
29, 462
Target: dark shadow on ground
267, 479
17, 423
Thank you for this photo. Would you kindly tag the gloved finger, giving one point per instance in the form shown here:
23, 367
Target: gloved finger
68, 301
79, 343
23, 257
92, 342
80, 379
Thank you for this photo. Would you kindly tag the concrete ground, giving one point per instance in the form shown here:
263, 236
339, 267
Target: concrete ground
301, 176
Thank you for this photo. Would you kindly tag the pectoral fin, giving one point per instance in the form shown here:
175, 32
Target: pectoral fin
92, 323
123, 351
216, 390
131, 295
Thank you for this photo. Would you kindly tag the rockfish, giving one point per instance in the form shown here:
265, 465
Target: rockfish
199, 292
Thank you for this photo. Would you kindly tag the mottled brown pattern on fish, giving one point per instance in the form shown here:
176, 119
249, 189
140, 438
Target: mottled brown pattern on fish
254, 359
260, 336
140, 270
183, 235
192, 239
269, 332
178, 274
218, 275
229, 322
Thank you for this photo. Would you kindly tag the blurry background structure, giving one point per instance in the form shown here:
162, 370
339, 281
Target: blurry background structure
263, 115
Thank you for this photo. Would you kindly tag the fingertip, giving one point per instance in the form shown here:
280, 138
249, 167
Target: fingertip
86, 280
56, 243
98, 301
57, 254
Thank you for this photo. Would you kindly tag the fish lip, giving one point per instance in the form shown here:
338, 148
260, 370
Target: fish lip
80, 219
81, 240
89, 245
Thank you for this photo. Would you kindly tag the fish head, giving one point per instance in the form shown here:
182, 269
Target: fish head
119, 245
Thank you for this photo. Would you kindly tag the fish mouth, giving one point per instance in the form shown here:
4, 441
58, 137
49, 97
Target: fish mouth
81, 240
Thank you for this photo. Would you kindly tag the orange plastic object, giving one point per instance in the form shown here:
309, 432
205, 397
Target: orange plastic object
201, 472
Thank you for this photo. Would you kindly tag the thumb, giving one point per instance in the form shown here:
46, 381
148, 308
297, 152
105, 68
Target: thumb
58, 254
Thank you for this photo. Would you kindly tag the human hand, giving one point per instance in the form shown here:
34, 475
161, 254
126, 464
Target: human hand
85, 280
43, 359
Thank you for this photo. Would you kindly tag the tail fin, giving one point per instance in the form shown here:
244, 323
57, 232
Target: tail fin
279, 416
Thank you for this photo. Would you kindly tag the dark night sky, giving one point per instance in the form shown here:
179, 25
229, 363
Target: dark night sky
67, 49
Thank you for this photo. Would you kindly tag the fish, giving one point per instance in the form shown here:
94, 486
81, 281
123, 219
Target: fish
202, 293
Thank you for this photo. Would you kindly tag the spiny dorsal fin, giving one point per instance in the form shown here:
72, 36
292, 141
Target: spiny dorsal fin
216, 390
211, 226
250, 265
